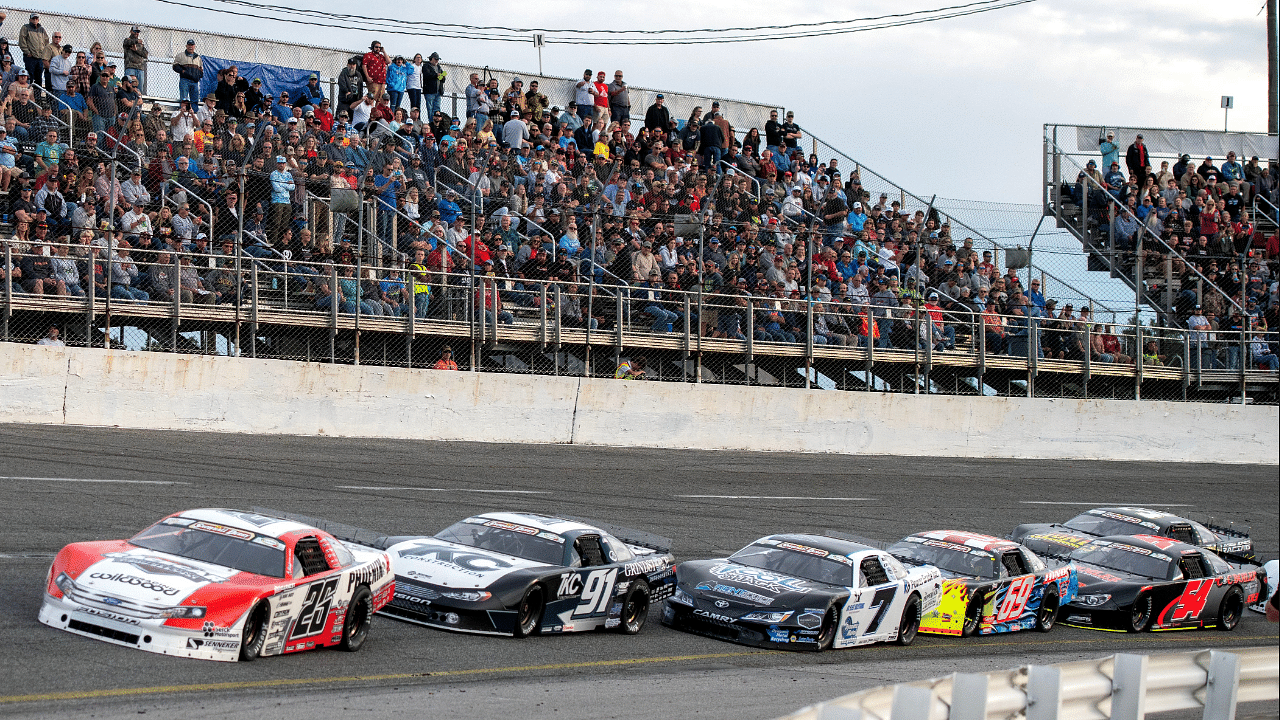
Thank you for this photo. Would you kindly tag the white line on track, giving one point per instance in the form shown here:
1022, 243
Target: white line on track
462, 490
96, 480
1102, 504
768, 497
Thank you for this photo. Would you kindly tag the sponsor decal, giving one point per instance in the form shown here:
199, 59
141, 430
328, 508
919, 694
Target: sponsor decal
1124, 518
1086, 619
335, 639
612, 622
1071, 541
211, 630
810, 620
722, 603
713, 616
142, 583
795, 547
644, 567
756, 577
153, 565
366, 576
107, 615
849, 629
219, 645
777, 634
253, 519
222, 530
463, 561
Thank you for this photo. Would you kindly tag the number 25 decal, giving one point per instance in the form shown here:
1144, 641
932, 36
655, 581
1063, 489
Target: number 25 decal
315, 609
597, 591
1015, 599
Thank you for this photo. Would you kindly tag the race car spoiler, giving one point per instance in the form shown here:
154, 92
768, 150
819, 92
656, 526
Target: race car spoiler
341, 531
630, 536
860, 539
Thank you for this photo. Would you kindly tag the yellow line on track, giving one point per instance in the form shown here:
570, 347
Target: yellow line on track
251, 684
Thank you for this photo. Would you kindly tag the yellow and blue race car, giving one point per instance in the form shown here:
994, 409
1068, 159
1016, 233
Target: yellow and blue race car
989, 585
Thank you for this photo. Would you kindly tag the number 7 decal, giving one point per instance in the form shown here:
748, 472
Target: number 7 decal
880, 602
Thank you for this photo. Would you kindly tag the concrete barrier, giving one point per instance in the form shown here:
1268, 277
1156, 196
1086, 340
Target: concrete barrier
78, 386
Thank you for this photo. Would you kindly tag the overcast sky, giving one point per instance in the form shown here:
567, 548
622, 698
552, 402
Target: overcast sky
954, 107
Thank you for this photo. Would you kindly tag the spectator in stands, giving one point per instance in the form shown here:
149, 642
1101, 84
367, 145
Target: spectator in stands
374, 66
585, 96
34, 43
189, 66
1138, 161
446, 361
135, 58
1109, 149
620, 100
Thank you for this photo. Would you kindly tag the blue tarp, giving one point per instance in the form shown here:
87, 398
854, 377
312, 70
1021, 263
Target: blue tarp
275, 79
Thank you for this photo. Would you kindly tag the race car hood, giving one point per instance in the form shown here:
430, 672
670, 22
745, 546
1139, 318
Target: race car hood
446, 564
1093, 579
1050, 538
731, 586
149, 577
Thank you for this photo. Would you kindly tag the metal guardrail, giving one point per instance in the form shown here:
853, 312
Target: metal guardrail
1120, 687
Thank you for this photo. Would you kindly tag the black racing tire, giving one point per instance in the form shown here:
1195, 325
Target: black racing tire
972, 616
1231, 609
355, 627
529, 612
1140, 613
635, 608
1047, 616
909, 626
827, 633
254, 634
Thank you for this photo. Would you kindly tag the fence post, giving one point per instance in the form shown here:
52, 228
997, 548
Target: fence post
617, 343
1111, 238
1044, 692
751, 338
911, 703
968, 696
1088, 356
411, 285
808, 330
333, 314
872, 327
542, 307
684, 366
1084, 215
8, 290
90, 294
557, 319
1247, 320
253, 313
177, 303
1137, 361
1186, 363
1128, 687
1223, 685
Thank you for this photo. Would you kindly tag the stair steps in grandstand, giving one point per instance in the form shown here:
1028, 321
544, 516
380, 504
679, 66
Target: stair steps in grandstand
688, 369
1099, 262
508, 361
817, 380
877, 384
755, 374
568, 363
987, 390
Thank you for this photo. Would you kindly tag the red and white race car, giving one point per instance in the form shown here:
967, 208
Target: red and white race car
219, 585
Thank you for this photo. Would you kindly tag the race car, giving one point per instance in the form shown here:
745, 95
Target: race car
990, 586
1269, 578
803, 592
219, 585
1061, 539
523, 573
1146, 582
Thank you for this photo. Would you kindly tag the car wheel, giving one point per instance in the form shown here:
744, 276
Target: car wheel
254, 634
910, 623
1231, 609
1140, 614
355, 628
1048, 615
635, 608
972, 616
827, 635
529, 612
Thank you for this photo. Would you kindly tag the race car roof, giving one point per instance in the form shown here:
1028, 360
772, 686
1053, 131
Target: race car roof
1155, 543
253, 522
835, 546
550, 523
968, 539
1155, 519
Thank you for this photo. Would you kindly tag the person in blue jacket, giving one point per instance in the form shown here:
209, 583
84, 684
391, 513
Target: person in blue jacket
1109, 149
397, 80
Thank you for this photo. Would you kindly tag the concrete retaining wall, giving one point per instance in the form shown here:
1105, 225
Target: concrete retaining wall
76, 386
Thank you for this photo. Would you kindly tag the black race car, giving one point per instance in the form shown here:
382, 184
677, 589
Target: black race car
1062, 538
803, 592
1144, 582
523, 573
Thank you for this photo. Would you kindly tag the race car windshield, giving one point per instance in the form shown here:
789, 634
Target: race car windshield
1113, 557
507, 542
211, 547
1102, 526
798, 564
976, 563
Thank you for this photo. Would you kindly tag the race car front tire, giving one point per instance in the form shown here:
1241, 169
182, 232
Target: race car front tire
254, 634
1140, 614
827, 635
355, 628
1231, 609
635, 608
909, 626
529, 612
1047, 616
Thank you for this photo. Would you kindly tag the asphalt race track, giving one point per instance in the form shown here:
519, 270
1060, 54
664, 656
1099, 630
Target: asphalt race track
67, 484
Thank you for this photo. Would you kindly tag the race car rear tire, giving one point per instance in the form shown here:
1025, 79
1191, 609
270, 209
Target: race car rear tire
1140, 614
529, 612
827, 634
972, 616
1047, 617
355, 628
1231, 609
254, 634
635, 608
909, 627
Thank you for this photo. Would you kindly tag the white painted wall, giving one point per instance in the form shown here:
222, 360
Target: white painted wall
77, 386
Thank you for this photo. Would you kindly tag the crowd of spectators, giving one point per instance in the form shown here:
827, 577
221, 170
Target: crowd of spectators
1222, 263
520, 192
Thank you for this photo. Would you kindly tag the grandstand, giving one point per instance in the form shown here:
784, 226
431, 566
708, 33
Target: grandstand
309, 205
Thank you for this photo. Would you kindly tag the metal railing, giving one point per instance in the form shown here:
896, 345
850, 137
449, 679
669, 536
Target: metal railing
1128, 686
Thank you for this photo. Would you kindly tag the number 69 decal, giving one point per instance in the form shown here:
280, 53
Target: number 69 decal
1015, 599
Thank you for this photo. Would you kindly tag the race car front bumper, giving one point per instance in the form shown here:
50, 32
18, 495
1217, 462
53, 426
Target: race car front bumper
221, 644
448, 616
777, 637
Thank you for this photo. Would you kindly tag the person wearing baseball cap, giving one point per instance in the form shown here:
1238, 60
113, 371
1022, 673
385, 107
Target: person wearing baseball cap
282, 187
190, 68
